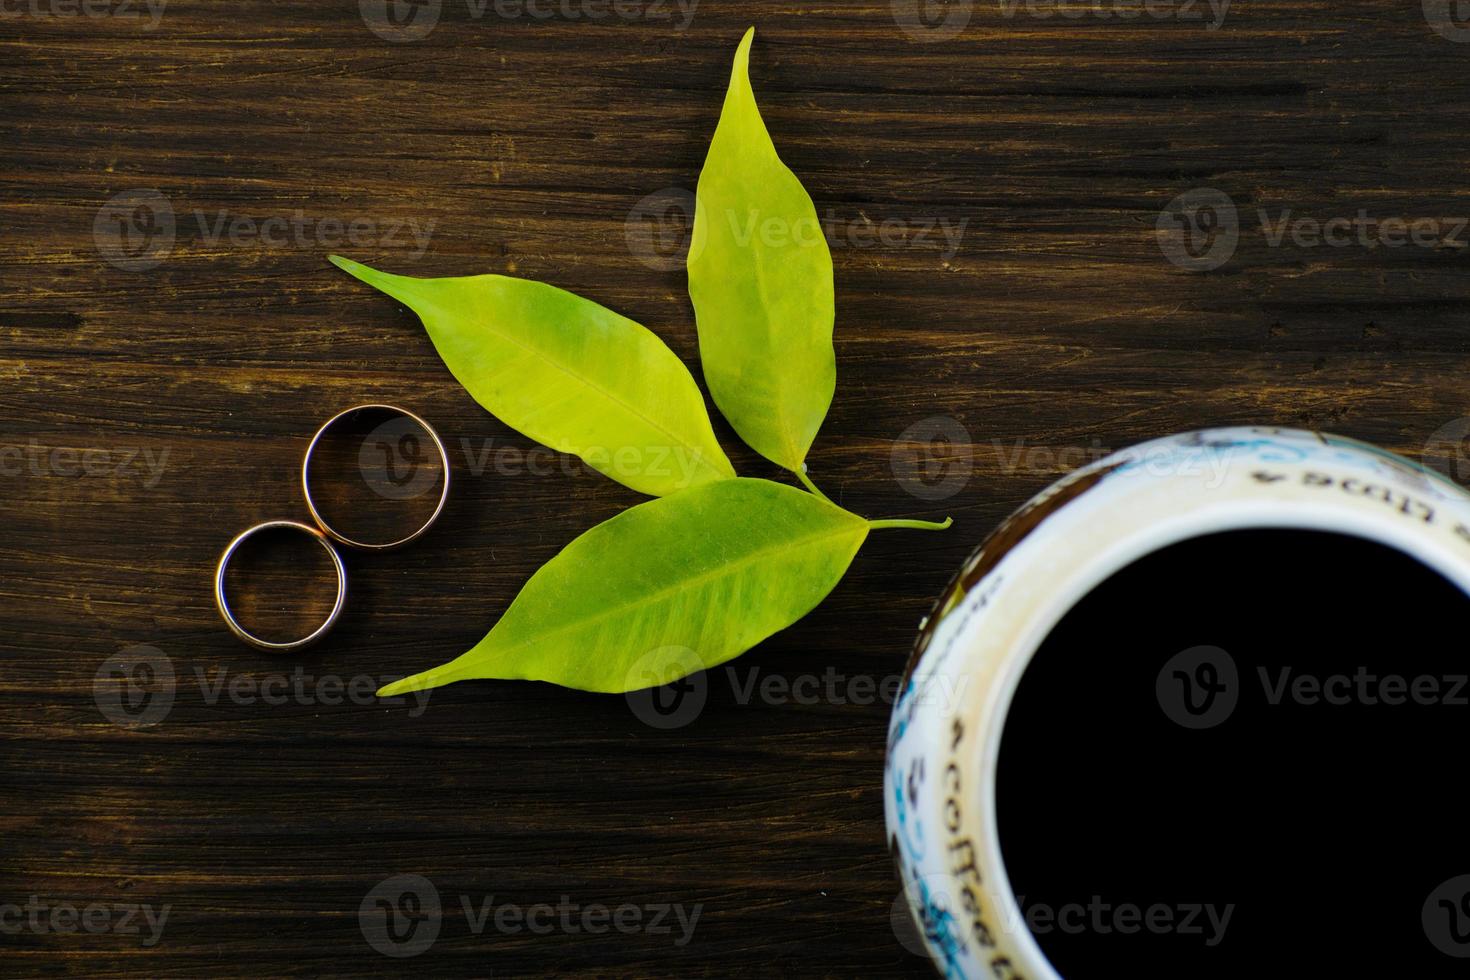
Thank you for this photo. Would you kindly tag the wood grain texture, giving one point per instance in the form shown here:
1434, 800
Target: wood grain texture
1055, 322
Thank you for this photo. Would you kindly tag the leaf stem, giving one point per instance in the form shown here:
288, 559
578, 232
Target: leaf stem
911, 525
806, 481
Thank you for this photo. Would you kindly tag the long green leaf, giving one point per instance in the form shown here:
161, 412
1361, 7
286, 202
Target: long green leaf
664, 589
568, 373
760, 276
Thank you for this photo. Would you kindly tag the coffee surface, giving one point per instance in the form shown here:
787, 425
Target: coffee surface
1246, 756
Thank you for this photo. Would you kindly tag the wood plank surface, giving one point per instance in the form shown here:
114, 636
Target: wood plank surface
993, 185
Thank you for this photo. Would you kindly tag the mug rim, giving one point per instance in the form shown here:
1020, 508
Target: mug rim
1134, 513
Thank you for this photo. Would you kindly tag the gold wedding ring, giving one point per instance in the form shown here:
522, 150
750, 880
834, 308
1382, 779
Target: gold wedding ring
324, 534
222, 600
338, 536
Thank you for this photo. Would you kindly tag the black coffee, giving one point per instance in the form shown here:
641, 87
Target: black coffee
1247, 755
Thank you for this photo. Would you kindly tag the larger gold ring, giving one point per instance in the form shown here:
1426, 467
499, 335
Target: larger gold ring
338, 536
223, 602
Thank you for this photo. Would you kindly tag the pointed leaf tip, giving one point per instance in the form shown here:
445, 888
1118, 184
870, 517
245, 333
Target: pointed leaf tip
569, 373
422, 681
345, 264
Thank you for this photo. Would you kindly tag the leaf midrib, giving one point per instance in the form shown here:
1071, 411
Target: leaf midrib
724, 569
784, 174
782, 377
590, 384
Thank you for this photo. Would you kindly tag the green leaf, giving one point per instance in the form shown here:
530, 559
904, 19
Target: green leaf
568, 373
665, 589
760, 276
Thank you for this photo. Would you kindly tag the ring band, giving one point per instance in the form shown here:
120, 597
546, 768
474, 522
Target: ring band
338, 536
223, 603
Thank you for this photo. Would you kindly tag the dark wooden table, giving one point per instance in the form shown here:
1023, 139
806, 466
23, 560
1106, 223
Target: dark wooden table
1054, 323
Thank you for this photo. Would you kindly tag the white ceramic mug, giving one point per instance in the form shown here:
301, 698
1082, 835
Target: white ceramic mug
945, 734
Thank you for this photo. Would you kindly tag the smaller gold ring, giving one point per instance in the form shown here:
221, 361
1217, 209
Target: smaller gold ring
338, 536
223, 603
